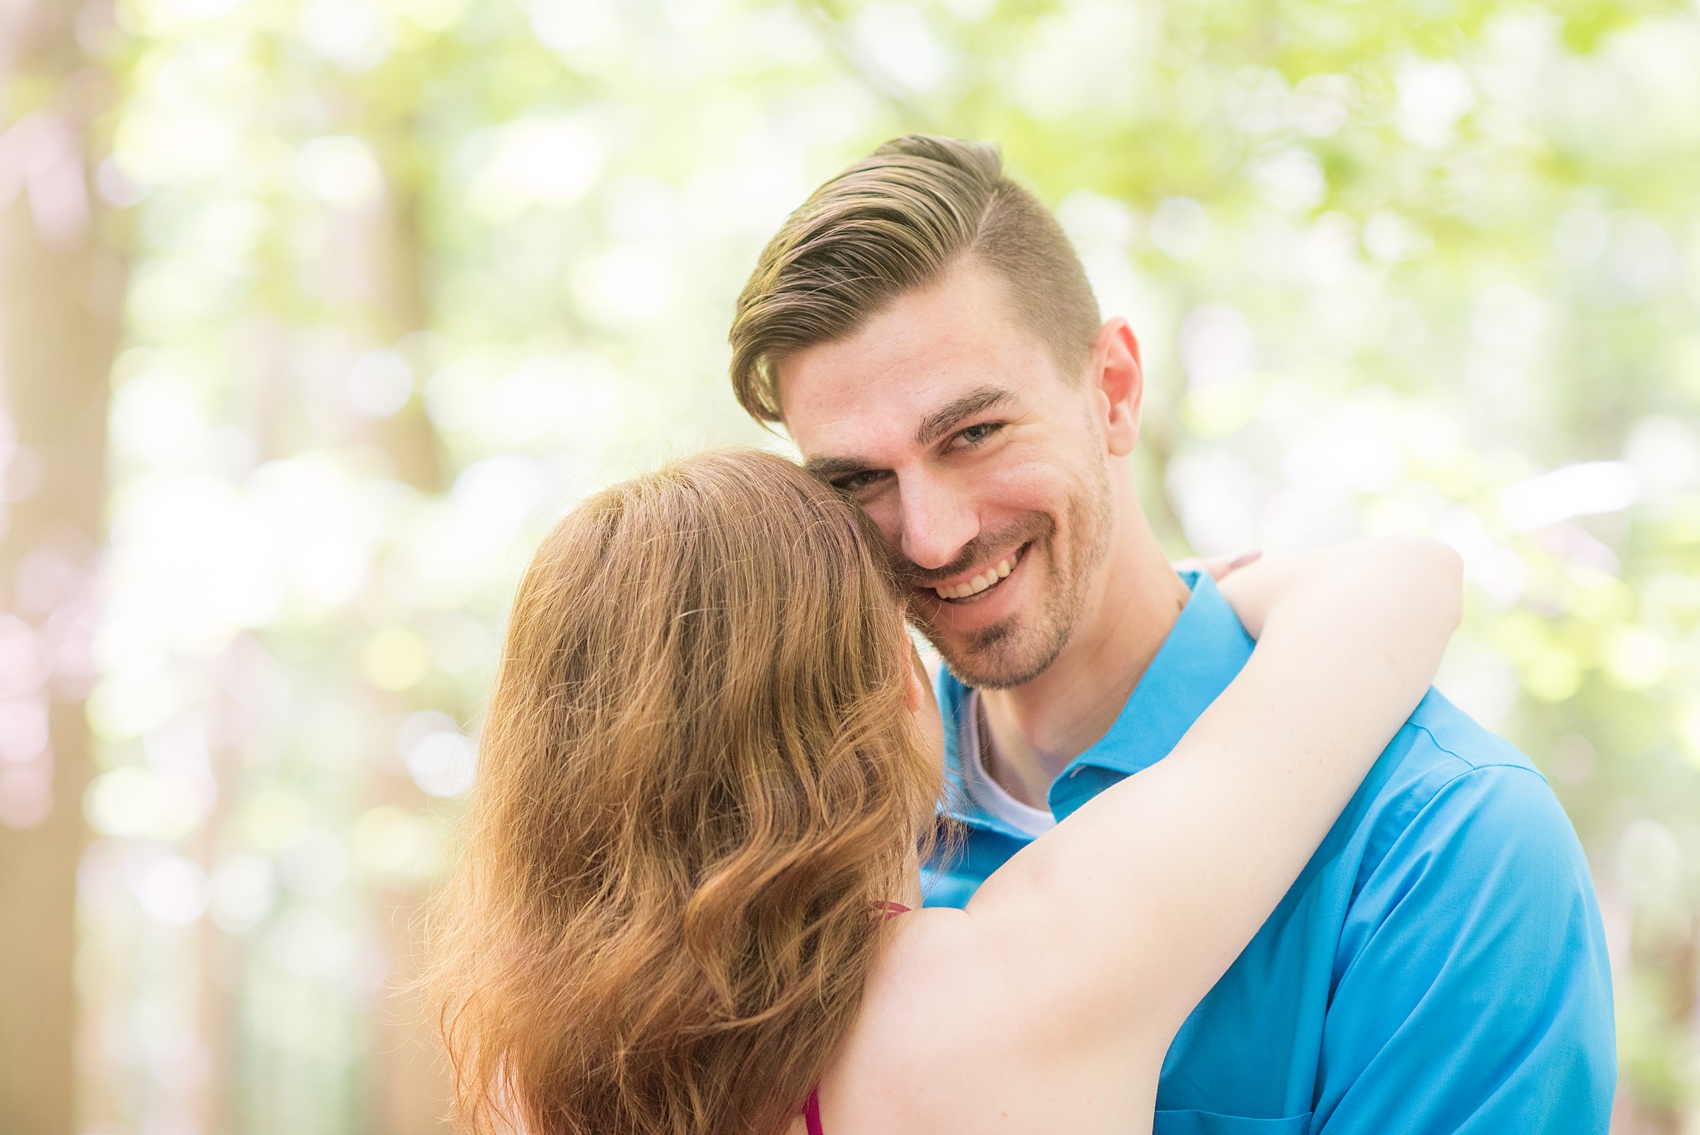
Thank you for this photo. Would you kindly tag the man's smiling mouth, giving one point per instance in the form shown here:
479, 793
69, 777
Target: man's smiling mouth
982, 583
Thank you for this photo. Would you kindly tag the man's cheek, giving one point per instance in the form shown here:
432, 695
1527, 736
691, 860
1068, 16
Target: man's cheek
892, 534
888, 519
1025, 489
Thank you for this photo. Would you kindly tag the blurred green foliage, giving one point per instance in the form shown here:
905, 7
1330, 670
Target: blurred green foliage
410, 276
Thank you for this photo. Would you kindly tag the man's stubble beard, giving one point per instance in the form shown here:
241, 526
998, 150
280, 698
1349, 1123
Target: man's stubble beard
1008, 654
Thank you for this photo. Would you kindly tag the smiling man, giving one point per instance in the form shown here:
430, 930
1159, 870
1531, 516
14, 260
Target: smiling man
928, 337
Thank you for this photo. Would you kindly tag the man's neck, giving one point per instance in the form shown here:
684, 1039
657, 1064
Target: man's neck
1036, 729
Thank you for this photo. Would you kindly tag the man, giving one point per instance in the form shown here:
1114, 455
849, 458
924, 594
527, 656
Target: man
926, 334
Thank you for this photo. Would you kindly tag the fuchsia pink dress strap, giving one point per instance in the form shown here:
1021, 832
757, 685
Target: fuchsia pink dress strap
811, 1108
811, 1114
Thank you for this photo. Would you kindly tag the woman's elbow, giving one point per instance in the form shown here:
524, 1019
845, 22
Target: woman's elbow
1433, 578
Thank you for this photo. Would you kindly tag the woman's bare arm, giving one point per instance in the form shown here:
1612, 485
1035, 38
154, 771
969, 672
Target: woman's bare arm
1114, 925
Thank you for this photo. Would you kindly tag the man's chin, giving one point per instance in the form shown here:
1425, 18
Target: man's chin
998, 661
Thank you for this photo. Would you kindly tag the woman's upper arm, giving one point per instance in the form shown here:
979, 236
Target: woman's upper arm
1132, 908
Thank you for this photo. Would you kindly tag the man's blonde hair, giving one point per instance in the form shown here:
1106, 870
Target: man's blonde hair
896, 221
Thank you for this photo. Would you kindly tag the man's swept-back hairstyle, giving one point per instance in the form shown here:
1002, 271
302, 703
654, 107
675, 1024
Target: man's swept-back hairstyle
698, 784
896, 221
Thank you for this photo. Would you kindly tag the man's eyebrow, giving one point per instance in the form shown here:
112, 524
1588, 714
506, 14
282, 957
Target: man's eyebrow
939, 422
932, 427
830, 468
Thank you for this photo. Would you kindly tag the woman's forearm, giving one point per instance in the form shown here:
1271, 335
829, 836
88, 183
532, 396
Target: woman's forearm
1406, 589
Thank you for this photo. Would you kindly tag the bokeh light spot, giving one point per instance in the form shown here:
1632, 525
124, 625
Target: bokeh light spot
395, 659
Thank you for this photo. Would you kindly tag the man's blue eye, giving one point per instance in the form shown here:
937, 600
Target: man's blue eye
974, 435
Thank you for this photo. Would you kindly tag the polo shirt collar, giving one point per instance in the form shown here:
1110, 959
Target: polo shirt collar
1203, 652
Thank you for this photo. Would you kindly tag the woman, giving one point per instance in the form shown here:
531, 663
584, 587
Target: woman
708, 778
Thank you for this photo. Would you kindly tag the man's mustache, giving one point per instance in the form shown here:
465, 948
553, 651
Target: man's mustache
975, 553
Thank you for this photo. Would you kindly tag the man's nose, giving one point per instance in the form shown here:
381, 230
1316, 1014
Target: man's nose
937, 522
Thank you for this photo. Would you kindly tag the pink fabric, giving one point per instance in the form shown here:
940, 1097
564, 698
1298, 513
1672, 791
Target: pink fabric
811, 1108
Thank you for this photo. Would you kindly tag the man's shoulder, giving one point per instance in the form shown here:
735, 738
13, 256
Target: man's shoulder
1445, 780
1456, 735
1440, 743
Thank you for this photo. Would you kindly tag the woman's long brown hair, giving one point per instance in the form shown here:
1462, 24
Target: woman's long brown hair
697, 781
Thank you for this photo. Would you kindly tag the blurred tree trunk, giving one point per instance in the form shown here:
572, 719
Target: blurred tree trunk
411, 1092
60, 294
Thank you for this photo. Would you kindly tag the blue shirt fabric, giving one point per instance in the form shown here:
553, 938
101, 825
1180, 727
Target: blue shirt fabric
1439, 966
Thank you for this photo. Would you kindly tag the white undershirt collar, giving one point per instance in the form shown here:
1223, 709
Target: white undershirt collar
988, 793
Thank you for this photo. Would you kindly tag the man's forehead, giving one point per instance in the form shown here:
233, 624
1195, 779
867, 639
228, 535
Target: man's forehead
887, 368
909, 361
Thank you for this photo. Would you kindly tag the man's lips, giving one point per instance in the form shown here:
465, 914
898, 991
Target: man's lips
984, 580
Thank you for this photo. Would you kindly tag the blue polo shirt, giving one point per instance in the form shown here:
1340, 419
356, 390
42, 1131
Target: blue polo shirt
1439, 966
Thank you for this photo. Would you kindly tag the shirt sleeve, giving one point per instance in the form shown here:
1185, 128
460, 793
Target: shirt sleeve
1472, 989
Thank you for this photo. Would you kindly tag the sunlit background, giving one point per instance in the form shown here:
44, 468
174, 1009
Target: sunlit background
313, 313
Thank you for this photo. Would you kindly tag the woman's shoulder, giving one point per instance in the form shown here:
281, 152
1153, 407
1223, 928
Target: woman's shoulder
944, 1041
928, 979
914, 1041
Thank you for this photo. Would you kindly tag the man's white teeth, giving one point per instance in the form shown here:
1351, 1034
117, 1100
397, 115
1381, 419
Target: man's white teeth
979, 583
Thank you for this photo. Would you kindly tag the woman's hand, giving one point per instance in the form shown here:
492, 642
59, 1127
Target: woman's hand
1219, 567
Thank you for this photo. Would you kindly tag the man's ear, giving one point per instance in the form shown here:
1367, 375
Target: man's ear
1119, 379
